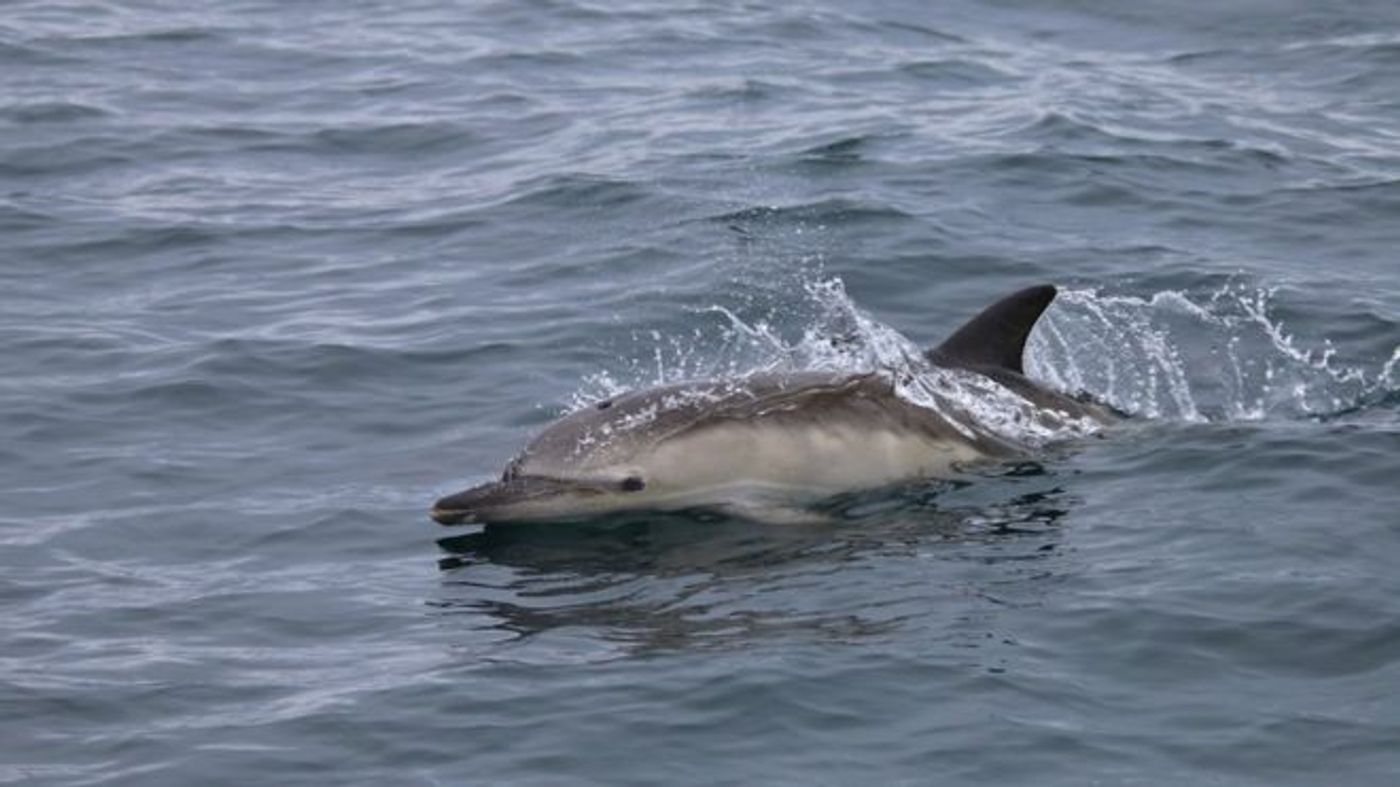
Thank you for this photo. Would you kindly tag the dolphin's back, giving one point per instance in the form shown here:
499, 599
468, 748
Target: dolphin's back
792, 402
817, 432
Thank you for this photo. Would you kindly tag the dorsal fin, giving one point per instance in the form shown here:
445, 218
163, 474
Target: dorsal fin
996, 338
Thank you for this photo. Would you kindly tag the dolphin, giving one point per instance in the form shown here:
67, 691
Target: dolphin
767, 446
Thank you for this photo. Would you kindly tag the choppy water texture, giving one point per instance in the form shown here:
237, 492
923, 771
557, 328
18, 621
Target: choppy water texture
277, 275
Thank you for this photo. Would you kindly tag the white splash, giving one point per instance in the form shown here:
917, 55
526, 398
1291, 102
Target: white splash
1225, 355
830, 334
1169, 355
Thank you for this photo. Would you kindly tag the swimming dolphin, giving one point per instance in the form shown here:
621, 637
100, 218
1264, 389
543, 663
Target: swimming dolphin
764, 446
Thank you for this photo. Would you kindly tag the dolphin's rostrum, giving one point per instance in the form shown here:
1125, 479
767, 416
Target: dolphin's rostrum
764, 446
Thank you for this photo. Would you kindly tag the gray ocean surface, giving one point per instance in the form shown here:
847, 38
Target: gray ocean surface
274, 276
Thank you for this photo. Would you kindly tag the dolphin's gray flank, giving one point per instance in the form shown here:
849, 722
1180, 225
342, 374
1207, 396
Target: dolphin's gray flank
764, 445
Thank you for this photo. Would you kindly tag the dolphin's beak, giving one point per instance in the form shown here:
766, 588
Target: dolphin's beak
500, 500
463, 507
444, 514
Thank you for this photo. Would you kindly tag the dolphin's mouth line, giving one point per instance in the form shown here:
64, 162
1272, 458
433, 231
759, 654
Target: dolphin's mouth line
444, 516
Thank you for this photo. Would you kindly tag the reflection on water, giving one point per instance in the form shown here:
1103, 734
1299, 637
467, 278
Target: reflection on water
651, 582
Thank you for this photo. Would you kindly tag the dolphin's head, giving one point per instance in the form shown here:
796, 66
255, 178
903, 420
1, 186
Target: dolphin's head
602, 459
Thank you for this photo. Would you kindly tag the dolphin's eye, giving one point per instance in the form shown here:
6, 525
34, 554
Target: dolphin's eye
633, 484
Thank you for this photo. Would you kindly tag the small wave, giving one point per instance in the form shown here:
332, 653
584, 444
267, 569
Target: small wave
69, 156
528, 60
1385, 43
169, 35
17, 219
747, 89
138, 240
815, 214
50, 112
1060, 127
394, 138
845, 149
12, 54
572, 191
956, 72
364, 139
922, 33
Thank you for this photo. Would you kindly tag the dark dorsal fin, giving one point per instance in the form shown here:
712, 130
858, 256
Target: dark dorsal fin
996, 338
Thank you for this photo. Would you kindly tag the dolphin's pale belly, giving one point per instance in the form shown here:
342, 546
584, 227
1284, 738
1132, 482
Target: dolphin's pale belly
814, 459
